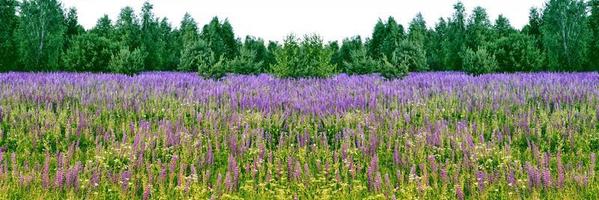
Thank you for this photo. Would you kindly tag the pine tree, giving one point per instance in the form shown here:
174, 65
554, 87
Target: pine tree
41, 34
256, 45
360, 62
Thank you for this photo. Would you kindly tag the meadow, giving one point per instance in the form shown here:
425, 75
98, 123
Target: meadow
440, 135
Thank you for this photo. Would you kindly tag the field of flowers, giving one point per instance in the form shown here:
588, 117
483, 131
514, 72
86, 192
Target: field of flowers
173, 135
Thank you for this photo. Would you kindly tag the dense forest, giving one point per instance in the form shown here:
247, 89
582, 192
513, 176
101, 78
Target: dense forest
41, 35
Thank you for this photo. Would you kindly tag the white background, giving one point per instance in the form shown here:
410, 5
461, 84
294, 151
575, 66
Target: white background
332, 19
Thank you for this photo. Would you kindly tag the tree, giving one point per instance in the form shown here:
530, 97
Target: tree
533, 28
220, 38
479, 62
305, 58
40, 34
566, 35
188, 30
256, 45
350, 46
502, 27
518, 52
128, 29
384, 38
594, 25
8, 24
360, 62
455, 43
73, 28
417, 30
396, 68
394, 34
246, 63
198, 56
478, 29
151, 38
435, 43
411, 55
128, 62
89, 53
171, 49
104, 27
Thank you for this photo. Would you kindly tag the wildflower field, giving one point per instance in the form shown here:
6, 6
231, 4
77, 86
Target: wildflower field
178, 136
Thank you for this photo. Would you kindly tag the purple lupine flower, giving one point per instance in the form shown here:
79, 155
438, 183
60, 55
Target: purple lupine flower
531, 172
459, 193
372, 169
209, 158
58, 179
95, 179
547, 178
125, 178
480, 178
46, 172
396, 158
560, 171
511, 178
147, 192
592, 165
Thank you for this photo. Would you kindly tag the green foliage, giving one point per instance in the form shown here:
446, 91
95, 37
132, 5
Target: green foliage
503, 27
435, 44
256, 45
246, 63
566, 35
220, 38
8, 24
128, 62
152, 39
198, 56
479, 29
455, 42
411, 54
344, 56
594, 44
384, 38
395, 68
305, 58
40, 35
518, 52
479, 62
360, 62
104, 27
128, 29
89, 52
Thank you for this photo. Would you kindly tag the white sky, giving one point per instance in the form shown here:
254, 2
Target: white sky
274, 19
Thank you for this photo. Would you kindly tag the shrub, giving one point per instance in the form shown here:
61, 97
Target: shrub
479, 62
128, 62
305, 58
245, 63
360, 62
518, 52
397, 67
412, 55
89, 52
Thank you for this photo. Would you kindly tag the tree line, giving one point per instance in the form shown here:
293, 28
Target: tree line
41, 35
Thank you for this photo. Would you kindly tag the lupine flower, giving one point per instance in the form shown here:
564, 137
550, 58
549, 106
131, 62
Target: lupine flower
459, 193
